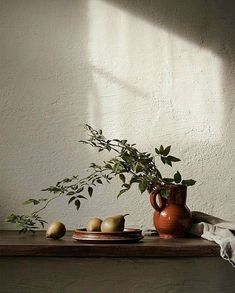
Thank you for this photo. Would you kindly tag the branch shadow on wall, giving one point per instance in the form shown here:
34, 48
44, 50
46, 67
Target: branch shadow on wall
207, 24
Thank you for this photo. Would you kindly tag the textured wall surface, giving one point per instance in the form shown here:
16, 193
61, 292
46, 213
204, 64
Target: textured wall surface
154, 72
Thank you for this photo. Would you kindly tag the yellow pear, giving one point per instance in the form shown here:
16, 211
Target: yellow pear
56, 230
114, 224
94, 225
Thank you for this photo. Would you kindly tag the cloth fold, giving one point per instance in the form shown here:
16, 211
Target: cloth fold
217, 230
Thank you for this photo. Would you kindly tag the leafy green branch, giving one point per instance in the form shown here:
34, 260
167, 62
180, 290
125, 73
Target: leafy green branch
130, 165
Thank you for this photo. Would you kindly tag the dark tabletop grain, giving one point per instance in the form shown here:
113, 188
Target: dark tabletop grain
14, 244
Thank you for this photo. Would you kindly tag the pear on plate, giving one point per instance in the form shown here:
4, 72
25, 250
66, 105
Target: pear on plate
114, 224
94, 225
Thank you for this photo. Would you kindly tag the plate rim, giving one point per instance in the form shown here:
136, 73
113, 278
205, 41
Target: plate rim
126, 231
109, 240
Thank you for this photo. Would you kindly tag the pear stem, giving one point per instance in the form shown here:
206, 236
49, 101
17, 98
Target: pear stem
126, 215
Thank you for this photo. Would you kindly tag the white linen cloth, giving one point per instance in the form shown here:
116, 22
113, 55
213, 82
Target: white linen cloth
218, 230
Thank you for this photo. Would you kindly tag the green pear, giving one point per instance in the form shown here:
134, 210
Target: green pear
114, 224
94, 225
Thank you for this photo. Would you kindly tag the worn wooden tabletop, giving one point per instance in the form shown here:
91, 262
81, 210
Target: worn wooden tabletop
14, 244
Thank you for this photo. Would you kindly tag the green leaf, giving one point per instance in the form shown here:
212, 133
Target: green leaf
81, 196
138, 168
127, 158
142, 186
77, 204
122, 178
157, 151
116, 167
177, 177
99, 181
168, 162
71, 199
121, 192
52, 189
108, 166
173, 159
79, 190
189, 182
71, 193
161, 150
66, 180
166, 151
83, 141
163, 160
159, 174
88, 127
31, 200
90, 191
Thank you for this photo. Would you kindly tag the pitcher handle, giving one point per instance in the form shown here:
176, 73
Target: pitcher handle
153, 200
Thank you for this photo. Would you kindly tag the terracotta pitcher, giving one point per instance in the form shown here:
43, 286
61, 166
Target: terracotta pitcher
172, 218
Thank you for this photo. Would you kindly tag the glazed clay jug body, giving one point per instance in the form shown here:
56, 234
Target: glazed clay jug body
172, 218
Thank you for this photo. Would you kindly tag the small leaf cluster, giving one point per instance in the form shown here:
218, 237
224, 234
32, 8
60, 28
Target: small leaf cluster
165, 157
26, 223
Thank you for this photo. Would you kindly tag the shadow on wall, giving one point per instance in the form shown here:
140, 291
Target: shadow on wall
207, 23
44, 69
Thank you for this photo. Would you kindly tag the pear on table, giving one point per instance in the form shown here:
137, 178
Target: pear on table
114, 224
56, 230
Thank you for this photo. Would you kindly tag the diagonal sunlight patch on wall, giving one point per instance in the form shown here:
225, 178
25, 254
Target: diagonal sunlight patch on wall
146, 78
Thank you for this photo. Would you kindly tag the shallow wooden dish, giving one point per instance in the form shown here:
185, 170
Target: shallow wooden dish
128, 235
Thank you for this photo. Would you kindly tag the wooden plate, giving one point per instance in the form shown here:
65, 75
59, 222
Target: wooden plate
128, 235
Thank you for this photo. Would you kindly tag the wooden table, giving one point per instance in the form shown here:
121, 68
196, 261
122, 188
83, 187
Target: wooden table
14, 244
33, 264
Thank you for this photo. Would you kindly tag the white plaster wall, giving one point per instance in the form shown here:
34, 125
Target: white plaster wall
154, 72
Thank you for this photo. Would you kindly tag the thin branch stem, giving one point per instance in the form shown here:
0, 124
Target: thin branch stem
51, 199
